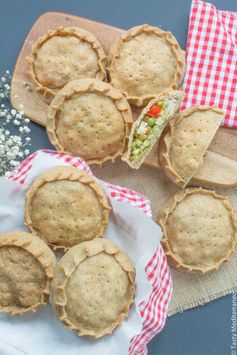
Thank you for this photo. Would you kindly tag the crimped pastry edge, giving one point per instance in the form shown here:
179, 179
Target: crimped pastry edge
68, 265
39, 250
47, 93
72, 174
169, 207
95, 86
167, 138
133, 32
166, 93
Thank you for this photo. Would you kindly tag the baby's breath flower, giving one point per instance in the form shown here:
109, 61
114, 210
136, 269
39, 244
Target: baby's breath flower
26, 129
14, 163
12, 147
7, 173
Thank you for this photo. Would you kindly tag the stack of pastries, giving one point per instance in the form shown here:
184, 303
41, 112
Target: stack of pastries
92, 287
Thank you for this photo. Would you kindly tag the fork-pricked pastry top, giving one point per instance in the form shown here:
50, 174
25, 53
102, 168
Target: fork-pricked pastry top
200, 229
186, 140
90, 119
62, 55
145, 61
66, 206
93, 288
26, 271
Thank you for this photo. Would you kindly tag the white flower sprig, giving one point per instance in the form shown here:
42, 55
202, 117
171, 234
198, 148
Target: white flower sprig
14, 130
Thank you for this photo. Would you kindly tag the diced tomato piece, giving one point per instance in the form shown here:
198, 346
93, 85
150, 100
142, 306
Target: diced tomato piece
154, 110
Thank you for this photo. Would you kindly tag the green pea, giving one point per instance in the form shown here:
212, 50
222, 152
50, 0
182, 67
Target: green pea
138, 142
143, 137
147, 143
161, 104
133, 144
151, 122
135, 152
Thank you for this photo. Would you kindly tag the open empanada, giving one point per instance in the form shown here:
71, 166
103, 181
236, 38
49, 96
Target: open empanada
150, 124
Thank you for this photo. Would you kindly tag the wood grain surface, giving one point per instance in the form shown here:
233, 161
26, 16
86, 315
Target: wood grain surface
220, 163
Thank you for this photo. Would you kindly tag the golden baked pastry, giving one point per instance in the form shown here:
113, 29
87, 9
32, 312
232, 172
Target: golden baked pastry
62, 55
200, 229
150, 124
66, 206
93, 288
186, 140
26, 270
90, 119
145, 61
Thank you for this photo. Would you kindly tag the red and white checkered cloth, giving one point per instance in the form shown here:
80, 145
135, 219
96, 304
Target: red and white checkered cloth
154, 311
211, 54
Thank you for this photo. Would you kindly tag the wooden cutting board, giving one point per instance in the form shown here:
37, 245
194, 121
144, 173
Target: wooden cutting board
220, 163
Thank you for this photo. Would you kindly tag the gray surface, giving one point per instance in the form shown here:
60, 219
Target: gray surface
201, 331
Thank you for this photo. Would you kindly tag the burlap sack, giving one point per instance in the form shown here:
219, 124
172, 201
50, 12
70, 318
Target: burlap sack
157, 187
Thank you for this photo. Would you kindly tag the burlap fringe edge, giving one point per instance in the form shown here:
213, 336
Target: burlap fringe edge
201, 301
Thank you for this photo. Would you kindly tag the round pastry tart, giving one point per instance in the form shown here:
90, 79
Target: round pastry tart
26, 270
65, 206
186, 140
65, 54
200, 229
93, 288
90, 119
144, 61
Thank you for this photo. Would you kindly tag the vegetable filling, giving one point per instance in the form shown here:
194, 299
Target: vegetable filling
150, 128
